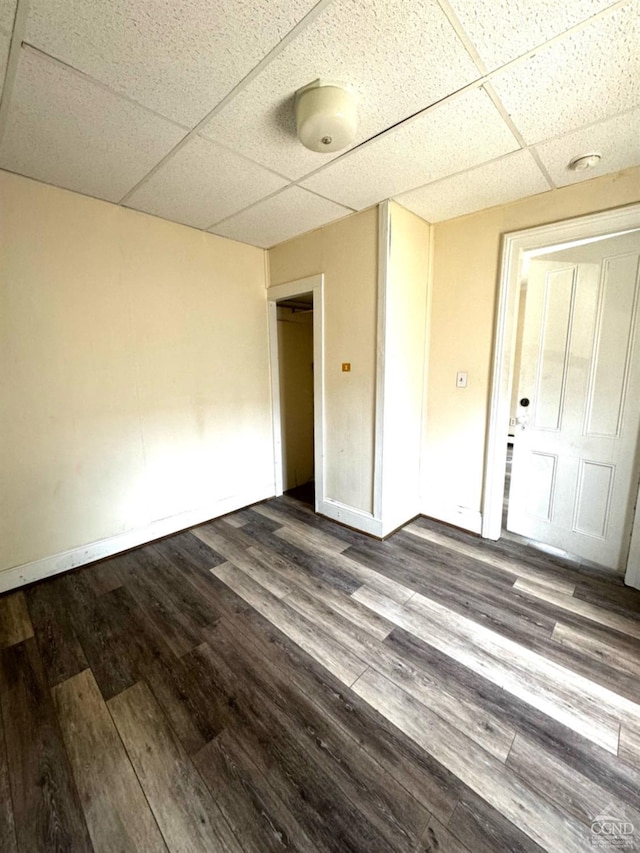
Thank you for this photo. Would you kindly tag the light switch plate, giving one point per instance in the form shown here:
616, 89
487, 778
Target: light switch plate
461, 379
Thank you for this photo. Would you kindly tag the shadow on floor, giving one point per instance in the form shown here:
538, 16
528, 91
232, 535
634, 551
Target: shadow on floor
306, 493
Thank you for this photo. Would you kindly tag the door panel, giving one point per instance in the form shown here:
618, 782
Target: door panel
543, 475
593, 498
553, 348
612, 346
574, 462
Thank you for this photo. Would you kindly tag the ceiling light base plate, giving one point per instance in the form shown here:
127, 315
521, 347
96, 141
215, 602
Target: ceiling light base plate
584, 162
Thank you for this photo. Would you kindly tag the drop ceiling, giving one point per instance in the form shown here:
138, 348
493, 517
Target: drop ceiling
184, 108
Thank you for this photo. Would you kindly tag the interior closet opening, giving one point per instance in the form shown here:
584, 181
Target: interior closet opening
295, 368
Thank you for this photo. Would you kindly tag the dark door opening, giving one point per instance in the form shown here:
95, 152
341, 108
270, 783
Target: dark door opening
295, 358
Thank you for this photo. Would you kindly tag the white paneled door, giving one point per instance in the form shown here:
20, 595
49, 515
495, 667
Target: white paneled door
575, 463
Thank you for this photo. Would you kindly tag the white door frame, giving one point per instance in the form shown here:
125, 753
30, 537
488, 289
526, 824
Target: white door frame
517, 248
313, 284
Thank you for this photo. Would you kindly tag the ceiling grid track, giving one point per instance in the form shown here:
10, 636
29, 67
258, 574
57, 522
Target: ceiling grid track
291, 35
58, 63
17, 36
482, 82
457, 107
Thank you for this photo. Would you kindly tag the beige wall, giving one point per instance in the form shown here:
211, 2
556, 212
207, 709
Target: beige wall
295, 361
404, 362
464, 291
135, 381
346, 252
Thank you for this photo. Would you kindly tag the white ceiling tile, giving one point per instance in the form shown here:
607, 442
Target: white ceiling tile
202, 184
65, 130
7, 14
590, 75
179, 58
510, 178
616, 139
85, 131
501, 30
291, 212
455, 136
398, 56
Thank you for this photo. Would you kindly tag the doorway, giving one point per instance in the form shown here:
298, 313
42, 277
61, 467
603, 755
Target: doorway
296, 350
520, 250
576, 400
295, 359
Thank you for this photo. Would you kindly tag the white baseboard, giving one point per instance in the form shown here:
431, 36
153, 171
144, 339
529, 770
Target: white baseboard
62, 562
394, 522
356, 518
632, 576
458, 516
632, 569
366, 522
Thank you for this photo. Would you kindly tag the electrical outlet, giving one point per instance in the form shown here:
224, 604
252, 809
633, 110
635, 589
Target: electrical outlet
512, 421
346, 367
461, 379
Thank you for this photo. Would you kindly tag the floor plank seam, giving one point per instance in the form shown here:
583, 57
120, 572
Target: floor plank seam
133, 767
9, 782
346, 731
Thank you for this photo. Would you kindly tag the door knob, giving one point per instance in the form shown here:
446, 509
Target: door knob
524, 402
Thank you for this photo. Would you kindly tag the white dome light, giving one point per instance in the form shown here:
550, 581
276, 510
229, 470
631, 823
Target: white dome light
584, 162
326, 118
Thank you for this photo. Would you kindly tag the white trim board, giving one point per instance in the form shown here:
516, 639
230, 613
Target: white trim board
457, 516
517, 247
386, 518
76, 557
426, 364
384, 249
352, 517
632, 575
276, 422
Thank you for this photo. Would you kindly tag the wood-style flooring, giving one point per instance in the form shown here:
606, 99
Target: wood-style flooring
271, 681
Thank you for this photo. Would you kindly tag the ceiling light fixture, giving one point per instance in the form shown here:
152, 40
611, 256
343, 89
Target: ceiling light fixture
584, 162
326, 116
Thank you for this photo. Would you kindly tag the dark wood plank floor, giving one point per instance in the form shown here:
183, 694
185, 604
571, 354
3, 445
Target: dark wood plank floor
273, 681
